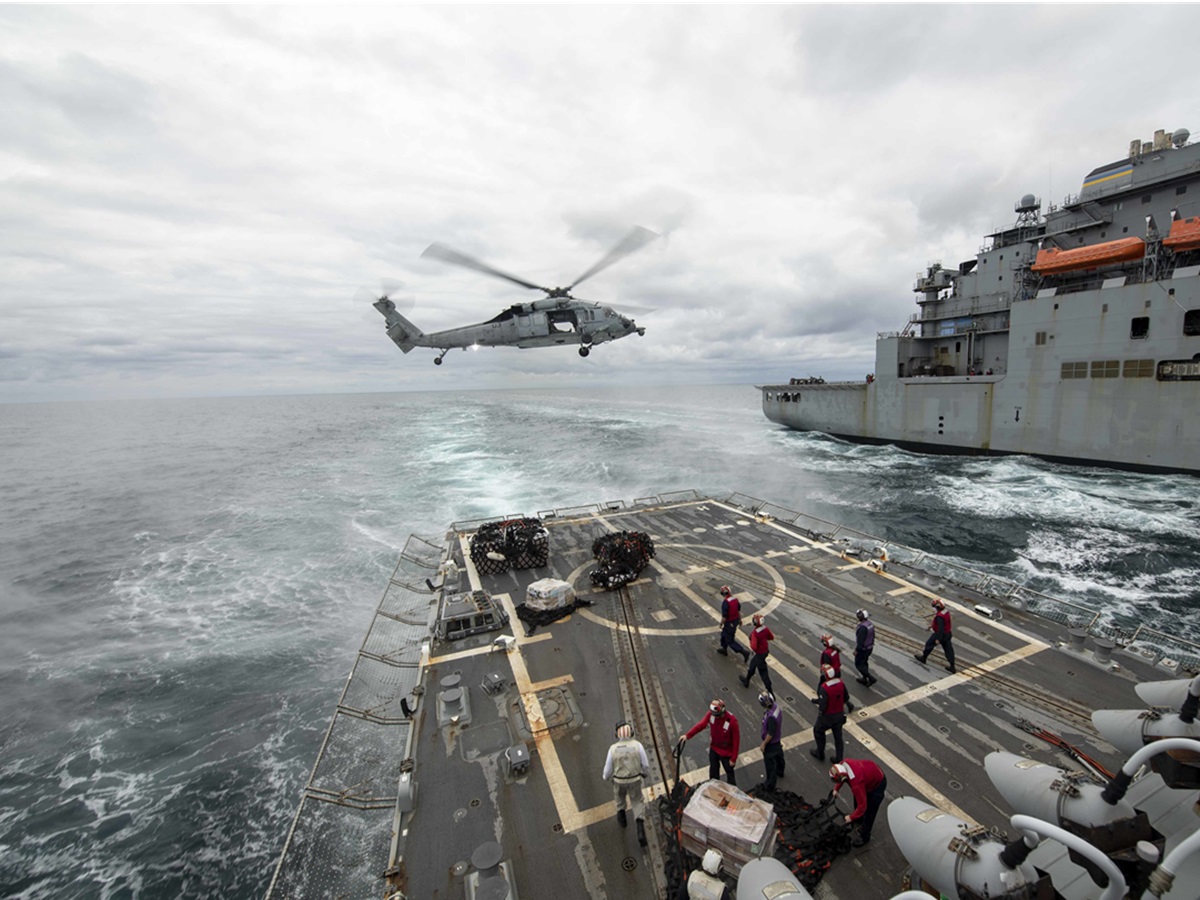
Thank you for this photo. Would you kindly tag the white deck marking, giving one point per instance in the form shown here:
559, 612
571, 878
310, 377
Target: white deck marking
572, 818
853, 729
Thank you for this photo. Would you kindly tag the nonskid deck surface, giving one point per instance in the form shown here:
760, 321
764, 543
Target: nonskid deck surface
647, 654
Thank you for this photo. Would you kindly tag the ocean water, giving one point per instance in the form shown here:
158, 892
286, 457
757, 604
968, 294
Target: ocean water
184, 583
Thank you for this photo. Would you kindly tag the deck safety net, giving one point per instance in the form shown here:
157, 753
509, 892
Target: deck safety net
341, 840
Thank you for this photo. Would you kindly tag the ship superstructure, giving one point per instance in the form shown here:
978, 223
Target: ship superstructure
1073, 335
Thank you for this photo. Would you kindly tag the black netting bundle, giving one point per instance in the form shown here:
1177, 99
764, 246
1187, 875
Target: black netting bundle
809, 837
513, 543
621, 556
677, 862
535, 617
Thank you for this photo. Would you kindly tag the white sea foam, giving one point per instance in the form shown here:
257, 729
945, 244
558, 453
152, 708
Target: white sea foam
186, 610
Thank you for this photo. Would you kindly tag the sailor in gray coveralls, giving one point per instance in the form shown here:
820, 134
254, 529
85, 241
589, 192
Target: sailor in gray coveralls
627, 766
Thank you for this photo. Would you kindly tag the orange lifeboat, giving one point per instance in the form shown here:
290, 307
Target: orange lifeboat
1185, 235
1054, 261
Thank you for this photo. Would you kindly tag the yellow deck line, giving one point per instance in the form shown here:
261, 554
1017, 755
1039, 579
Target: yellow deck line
556, 777
572, 818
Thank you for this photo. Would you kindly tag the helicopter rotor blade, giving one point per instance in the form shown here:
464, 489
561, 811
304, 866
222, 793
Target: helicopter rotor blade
638, 238
447, 255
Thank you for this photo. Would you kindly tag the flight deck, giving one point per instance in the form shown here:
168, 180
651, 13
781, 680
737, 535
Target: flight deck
499, 739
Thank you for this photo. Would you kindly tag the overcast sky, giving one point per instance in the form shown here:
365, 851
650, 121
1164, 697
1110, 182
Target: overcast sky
192, 197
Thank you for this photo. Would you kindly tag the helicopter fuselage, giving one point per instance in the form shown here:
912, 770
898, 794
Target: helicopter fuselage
544, 323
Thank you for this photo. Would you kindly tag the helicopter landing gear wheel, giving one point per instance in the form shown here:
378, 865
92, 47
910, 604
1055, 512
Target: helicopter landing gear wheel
584, 351
438, 361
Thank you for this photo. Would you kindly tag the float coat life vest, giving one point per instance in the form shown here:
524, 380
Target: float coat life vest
626, 761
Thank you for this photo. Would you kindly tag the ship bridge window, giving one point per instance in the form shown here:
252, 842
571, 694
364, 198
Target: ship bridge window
1147, 198
1074, 370
1040, 338
1137, 368
1106, 368
1139, 327
1191, 323
1182, 189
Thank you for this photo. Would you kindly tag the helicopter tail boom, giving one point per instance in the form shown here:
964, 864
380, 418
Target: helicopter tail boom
403, 332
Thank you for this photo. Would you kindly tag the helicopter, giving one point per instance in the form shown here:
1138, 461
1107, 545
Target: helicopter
556, 319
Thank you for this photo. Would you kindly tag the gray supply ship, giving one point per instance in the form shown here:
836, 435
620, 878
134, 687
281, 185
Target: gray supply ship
465, 757
1073, 336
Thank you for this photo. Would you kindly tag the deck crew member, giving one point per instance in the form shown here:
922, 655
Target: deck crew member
833, 702
831, 655
627, 766
731, 621
725, 740
867, 783
772, 739
864, 643
760, 638
941, 634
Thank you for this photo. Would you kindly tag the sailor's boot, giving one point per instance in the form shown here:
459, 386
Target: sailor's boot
641, 831
919, 658
621, 817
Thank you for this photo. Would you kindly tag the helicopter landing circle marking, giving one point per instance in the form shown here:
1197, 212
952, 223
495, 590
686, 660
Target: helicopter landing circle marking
776, 596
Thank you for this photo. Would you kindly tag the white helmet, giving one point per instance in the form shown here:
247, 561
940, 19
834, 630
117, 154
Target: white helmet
712, 862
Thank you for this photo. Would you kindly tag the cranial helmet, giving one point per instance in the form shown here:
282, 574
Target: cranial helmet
839, 772
717, 707
725, 592
712, 862
624, 730
766, 699
827, 639
827, 671
756, 618
938, 604
862, 614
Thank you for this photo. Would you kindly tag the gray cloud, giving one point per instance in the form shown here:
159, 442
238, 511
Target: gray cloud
190, 197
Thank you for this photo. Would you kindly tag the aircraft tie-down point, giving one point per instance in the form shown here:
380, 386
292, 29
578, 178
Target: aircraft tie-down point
556, 319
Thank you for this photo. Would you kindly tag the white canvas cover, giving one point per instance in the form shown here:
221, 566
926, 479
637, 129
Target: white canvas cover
549, 593
720, 816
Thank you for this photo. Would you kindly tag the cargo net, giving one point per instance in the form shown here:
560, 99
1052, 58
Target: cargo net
535, 617
513, 543
622, 556
808, 838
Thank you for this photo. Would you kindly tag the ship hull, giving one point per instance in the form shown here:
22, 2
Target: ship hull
1115, 407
